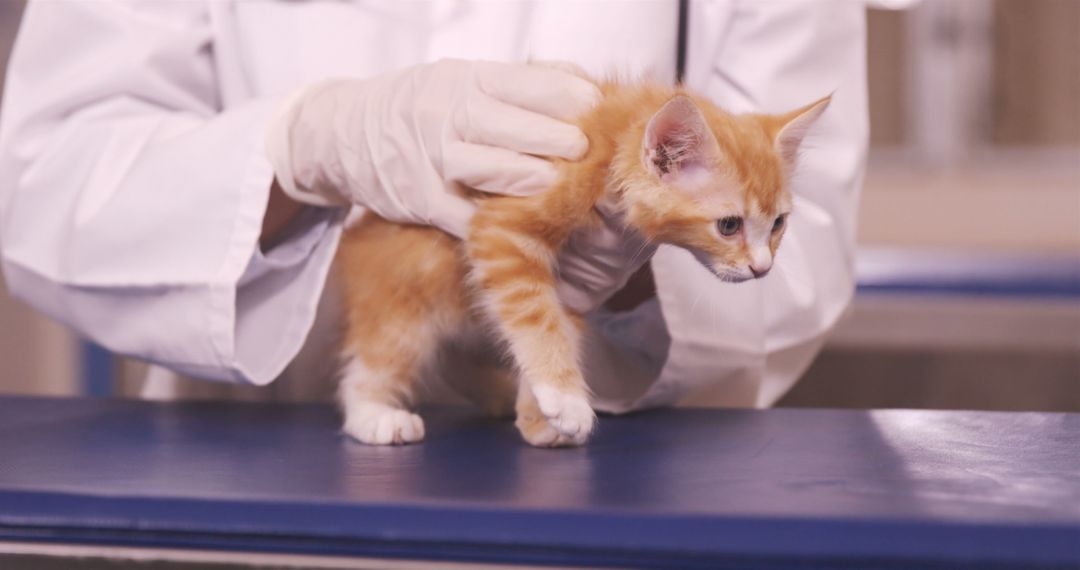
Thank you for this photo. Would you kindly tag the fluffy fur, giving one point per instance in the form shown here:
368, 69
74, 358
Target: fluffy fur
670, 166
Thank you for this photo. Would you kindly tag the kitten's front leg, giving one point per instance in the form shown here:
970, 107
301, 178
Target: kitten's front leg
517, 287
551, 384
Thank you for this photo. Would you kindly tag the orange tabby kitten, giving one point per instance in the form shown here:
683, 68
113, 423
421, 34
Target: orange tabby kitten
670, 166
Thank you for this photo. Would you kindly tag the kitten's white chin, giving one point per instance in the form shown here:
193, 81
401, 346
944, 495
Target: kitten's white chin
729, 276
723, 273
736, 278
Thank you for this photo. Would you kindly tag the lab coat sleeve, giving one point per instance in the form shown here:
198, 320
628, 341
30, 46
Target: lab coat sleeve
131, 202
715, 343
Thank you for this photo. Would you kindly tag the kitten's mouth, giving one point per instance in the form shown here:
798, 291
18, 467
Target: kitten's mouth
728, 276
723, 272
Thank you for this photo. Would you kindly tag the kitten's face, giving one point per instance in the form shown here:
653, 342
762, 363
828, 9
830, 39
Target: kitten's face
719, 184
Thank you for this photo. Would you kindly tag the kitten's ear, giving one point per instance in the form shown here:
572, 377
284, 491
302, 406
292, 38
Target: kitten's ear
677, 138
793, 126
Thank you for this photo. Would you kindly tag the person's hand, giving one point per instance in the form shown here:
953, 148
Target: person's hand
402, 144
597, 261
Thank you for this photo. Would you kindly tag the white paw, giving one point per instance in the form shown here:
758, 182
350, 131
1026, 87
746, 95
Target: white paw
544, 435
386, 426
568, 413
540, 434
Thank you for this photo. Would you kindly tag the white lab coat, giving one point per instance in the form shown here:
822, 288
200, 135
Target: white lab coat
133, 179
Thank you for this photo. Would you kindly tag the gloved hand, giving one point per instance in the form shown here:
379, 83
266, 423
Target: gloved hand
401, 144
596, 262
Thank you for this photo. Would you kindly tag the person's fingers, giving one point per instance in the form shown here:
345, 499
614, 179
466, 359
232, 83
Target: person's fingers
542, 89
497, 170
575, 299
452, 214
596, 262
585, 271
488, 121
567, 66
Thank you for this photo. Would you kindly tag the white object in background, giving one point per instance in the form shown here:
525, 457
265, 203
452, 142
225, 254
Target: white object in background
950, 45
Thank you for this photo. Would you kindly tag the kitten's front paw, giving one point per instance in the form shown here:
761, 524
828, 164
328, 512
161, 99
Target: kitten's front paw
538, 432
568, 413
386, 427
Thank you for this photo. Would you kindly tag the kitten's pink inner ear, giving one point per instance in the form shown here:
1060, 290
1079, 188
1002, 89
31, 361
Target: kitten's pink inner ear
795, 126
676, 137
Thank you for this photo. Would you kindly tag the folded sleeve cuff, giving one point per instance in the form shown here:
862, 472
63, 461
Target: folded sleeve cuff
277, 297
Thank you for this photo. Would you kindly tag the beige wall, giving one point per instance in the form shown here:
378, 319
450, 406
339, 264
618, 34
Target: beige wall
885, 72
36, 355
1036, 72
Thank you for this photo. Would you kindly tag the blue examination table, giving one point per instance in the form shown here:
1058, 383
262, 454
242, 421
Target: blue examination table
672, 488
900, 271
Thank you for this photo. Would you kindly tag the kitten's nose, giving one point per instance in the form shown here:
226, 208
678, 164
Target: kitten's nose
760, 261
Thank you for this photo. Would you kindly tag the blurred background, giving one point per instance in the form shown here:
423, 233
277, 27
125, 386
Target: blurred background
969, 261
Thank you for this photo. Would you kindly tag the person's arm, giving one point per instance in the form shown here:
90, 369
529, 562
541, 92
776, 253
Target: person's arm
707, 342
281, 212
132, 204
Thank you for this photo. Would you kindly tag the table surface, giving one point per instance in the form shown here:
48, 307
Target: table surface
708, 488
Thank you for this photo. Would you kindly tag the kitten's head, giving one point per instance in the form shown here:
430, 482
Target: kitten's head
716, 184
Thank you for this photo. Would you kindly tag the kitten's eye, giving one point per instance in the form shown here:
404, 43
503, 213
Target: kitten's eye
779, 223
729, 226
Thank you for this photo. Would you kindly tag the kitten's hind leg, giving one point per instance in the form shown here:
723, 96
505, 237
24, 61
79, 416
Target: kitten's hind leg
403, 294
374, 400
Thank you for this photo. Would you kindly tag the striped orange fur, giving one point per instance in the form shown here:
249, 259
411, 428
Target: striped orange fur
668, 165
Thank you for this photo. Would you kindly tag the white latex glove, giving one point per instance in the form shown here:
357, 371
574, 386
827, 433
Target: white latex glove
598, 261
401, 144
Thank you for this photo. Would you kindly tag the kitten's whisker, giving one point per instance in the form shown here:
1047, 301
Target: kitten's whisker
640, 250
712, 312
793, 276
697, 298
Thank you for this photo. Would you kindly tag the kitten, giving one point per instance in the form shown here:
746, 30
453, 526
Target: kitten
670, 166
